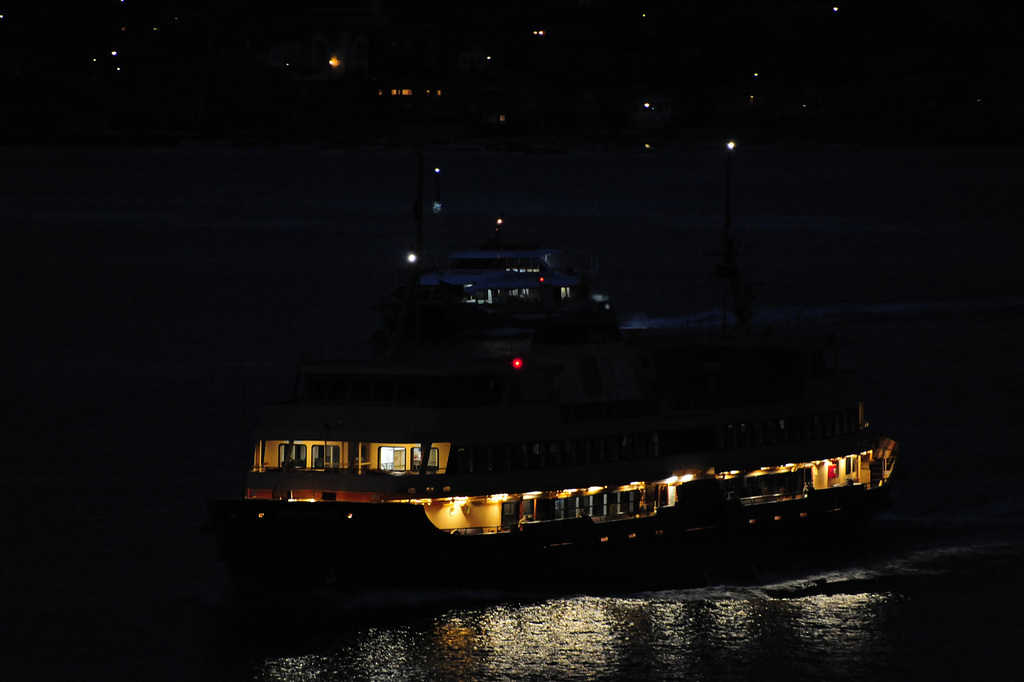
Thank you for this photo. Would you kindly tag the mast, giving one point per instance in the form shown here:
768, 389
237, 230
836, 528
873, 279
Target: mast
417, 205
408, 307
727, 268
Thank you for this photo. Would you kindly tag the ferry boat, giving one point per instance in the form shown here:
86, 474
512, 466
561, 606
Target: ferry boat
572, 455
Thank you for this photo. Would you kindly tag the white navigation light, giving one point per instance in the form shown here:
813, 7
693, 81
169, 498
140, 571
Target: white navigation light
731, 145
411, 257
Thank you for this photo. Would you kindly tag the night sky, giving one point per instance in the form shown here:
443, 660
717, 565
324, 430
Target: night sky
946, 71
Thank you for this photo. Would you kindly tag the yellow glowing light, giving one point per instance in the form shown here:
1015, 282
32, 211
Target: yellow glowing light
687, 478
595, 489
334, 62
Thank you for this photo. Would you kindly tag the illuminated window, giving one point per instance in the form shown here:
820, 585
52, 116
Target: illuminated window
326, 458
392, 458
417, 458
510, 513
292, 455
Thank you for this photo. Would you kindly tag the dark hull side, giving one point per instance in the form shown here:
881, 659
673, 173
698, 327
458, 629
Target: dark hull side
275, 546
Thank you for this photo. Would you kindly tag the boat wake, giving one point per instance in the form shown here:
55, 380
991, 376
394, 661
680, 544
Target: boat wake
883, 575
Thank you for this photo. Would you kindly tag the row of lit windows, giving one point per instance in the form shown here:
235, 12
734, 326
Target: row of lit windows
389, 458
603, 504
785, 484
394, 459
585, 451
405, 92
293, 456
491, 296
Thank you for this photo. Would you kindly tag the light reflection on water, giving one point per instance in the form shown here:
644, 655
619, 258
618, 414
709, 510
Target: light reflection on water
703, 635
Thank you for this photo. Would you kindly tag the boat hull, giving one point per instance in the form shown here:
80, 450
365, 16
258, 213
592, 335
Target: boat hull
277, 545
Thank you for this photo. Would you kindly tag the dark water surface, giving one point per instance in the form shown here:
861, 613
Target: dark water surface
147, 296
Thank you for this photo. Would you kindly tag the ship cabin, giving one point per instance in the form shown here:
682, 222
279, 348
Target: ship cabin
514, 278
598, 446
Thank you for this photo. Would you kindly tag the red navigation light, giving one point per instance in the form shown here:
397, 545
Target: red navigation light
517, 363
541, 279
